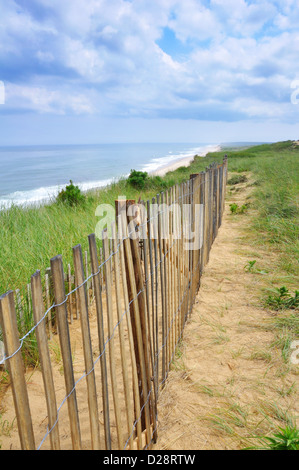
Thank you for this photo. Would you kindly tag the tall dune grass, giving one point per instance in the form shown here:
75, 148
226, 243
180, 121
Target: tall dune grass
31, 236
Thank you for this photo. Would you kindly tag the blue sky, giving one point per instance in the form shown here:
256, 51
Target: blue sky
92, 71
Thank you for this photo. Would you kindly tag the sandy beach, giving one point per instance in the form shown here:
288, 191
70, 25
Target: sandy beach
186, 161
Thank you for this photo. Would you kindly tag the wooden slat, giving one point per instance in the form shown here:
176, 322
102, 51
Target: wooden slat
65, 346
100, 323
108, 277
156, 292
45, 360
124, 362
87, 348
132, 262
162, 282
8, 320
142, 320
125, 281
147, 263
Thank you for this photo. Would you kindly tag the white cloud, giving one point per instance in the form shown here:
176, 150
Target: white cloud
85, 60
41, 100
244, 18
102, 56
193, 20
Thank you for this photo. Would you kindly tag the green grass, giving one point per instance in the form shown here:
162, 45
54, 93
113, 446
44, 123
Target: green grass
282, 299
286, 438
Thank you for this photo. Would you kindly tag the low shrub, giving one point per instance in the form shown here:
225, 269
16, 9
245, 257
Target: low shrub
71, 195
138, 179
237, 179
282, 299
236, 209
141, 180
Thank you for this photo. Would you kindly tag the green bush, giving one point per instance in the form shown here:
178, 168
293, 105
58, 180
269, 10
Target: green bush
235, 209
141, 180
138, 179
71, 195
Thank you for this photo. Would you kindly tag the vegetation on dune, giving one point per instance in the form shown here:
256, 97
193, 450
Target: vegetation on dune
31, 236
142, 180
71, 195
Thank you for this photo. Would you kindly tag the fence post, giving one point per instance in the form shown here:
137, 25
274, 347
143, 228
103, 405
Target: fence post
15, 364
97, 272
148, 263
202, 200
44, 356
124, 362
218, 197
188, 254
142, 321
220, 168
154, 234
184, 259
162, 277
136, 395
139, 327
210, 173
179, 235
181, 279
108, 276
89, 364
196, 228
224, 180
64, 338
170, 309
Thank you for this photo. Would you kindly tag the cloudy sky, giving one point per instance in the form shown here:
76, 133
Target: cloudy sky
92, 71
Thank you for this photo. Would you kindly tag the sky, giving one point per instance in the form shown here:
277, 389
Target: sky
105, 71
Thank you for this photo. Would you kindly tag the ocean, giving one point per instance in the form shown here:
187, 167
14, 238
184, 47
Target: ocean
36, 174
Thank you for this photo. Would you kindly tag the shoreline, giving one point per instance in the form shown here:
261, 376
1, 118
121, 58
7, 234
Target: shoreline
164, 169
160, 171
185, 161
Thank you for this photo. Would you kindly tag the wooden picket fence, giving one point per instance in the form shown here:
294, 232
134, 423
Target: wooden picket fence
140, 285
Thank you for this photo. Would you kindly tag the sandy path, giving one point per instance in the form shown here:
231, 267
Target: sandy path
228, 381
